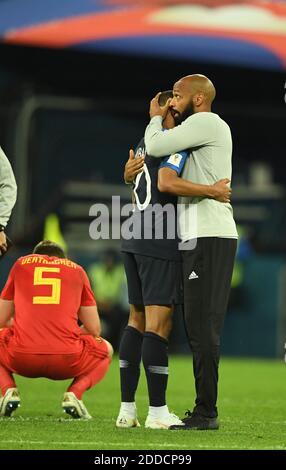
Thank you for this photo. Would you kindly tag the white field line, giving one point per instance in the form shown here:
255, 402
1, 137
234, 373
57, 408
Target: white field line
125, 444
224, 423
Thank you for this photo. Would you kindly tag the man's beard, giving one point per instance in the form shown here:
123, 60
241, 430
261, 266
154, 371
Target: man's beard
180, 117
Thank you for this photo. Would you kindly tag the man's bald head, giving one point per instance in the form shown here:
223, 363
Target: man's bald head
200, 84
192, 94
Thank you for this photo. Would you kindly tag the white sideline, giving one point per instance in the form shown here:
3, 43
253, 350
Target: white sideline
125, 444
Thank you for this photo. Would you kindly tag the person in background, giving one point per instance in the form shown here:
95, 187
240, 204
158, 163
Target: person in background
8, 196
243, 253
108, 281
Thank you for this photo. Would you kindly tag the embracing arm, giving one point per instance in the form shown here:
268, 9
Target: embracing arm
170, 182
198, 129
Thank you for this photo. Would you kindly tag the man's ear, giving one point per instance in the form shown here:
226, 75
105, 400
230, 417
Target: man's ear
198, 99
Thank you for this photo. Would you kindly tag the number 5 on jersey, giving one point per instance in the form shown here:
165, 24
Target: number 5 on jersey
53, 282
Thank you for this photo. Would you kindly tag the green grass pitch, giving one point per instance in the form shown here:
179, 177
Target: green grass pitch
252, 409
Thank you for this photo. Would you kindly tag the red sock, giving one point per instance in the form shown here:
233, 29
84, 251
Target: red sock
6, 380
84, 382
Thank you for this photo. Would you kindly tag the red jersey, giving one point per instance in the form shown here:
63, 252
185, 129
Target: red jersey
47, 293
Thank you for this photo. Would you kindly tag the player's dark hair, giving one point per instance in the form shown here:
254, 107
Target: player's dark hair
49, 248
164, 96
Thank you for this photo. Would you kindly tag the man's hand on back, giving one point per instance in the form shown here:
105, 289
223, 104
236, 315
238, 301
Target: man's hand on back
133, 167
3, 243
221, 190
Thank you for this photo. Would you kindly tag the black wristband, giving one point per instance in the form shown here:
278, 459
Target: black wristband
2, 228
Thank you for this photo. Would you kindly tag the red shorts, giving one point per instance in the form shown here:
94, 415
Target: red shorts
53, 366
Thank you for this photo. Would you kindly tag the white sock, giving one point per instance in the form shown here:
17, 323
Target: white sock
158, 411
128, 407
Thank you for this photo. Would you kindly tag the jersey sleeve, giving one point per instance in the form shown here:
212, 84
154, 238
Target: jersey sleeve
176, 161
87, 296
9, 288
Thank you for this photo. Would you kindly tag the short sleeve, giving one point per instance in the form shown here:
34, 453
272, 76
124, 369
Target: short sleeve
87, 296
176, 161
9, 288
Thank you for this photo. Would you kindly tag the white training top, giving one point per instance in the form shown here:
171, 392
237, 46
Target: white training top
208, 139
8, 189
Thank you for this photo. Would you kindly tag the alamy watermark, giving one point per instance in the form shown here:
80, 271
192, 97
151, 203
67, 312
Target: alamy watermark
155, 222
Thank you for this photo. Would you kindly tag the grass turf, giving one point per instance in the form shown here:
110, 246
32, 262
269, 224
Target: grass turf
251, 407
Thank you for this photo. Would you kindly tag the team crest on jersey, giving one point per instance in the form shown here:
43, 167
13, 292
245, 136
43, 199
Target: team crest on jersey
98, 339
141, 152
175, 159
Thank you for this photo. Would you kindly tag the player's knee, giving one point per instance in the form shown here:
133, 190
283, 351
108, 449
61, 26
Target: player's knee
161, 327
137, 318
167, 329
138, 324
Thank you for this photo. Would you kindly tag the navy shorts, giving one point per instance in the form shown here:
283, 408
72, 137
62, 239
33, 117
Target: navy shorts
153, 281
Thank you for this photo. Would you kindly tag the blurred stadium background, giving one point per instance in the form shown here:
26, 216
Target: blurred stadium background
76, 78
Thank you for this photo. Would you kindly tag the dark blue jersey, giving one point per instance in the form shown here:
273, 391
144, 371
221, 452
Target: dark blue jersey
152, 230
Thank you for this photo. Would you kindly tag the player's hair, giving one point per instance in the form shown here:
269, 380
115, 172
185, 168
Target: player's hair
164, 96
47, 247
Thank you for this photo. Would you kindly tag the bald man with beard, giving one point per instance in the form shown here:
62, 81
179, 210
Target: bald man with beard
206, 228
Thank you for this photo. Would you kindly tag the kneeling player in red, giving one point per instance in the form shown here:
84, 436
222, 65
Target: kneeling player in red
43, 299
